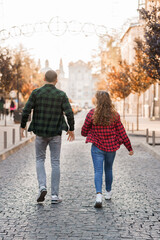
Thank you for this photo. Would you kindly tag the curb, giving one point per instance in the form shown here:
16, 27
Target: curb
151, 150
136, 135
15, 148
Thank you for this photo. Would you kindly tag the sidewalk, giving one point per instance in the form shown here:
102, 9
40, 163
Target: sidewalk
10, 140
140, 136
144, 123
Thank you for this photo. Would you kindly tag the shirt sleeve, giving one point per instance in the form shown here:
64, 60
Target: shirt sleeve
27, 110
66, 107
122, 134
87, 124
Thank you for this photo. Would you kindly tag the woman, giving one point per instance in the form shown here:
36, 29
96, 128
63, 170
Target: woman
12, 108
104, 130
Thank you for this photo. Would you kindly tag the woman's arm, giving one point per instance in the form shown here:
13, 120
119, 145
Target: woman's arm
122, 133
87, 124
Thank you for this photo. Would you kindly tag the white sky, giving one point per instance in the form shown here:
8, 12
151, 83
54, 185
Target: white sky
111, 13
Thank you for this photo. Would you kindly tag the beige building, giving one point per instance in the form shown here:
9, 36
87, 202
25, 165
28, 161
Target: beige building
63, 82
152, 96
127, 45
81, 83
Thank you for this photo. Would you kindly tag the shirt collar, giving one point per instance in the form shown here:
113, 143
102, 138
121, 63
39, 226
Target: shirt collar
50, 85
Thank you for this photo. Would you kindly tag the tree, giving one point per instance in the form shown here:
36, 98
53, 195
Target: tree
6, 70
27, 72
119, 83
151, 46
140, 81
108, 56
18, 71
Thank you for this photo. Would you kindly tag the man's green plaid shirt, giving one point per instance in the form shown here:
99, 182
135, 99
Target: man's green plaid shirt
49, 105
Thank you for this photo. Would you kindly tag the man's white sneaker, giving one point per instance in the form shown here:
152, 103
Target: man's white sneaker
108, 195
55, 199
98, 203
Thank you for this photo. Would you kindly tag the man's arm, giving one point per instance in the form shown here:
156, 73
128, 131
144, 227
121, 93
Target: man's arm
66, 107
26, 111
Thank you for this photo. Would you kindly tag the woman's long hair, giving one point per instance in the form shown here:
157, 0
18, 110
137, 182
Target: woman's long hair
105, 112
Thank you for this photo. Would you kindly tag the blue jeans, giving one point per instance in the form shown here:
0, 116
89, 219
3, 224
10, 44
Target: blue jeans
55, 147
99, 158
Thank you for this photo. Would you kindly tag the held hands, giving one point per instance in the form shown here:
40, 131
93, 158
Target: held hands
131, 153
71, 136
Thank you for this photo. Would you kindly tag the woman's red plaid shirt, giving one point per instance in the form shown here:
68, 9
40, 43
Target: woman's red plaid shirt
107, 138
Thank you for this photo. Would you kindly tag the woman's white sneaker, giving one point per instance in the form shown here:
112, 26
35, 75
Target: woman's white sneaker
98, 203
108, 195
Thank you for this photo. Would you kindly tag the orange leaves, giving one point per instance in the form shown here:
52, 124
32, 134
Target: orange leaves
140, 81
119, 81
26, 90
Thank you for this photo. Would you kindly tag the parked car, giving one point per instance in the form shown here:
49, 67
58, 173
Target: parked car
75, 108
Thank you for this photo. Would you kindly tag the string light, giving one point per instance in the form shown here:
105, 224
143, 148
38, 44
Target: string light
55, 26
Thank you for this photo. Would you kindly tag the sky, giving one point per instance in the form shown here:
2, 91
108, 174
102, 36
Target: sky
44, 45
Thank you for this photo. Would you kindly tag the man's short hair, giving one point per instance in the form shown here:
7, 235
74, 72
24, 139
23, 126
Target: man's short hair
51, 76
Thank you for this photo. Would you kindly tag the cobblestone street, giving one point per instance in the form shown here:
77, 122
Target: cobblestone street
133, 213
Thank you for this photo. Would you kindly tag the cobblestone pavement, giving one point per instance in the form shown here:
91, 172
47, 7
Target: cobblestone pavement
133, 213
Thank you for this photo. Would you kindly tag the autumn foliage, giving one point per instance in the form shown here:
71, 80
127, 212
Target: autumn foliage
19, 71
119, 81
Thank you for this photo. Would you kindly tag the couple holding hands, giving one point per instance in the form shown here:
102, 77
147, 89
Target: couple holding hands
102, 127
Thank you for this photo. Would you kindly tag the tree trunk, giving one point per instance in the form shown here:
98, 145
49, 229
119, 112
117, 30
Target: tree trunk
154, 95
17, 92
5, 111
124, 106
137, 112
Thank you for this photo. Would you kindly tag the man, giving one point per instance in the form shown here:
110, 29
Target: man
49, 105
2, 102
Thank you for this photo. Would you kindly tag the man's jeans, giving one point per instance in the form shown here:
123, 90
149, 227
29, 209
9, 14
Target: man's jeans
55, 147
99, 157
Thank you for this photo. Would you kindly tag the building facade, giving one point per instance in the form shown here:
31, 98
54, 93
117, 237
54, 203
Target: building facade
81, 83
127, 45
149, 104
63, 82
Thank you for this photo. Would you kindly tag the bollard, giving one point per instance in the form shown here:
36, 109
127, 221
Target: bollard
128, 126
5, 140
13, 135
26, 133
153, 138
147, 135
132, 127
20, 138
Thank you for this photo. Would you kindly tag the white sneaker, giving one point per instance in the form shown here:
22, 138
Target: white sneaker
55, 199
108, 195
98, 203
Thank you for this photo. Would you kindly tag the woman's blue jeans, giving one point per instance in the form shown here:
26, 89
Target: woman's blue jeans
99, 158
